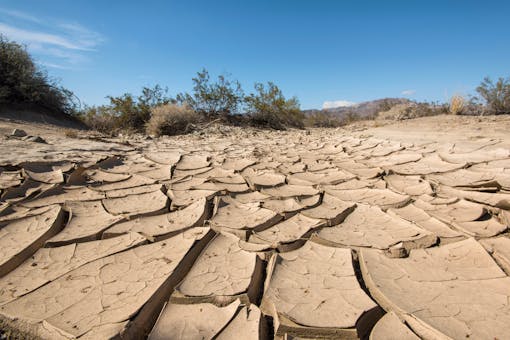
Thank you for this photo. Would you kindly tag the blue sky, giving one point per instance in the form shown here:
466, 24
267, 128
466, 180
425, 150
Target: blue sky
323, 52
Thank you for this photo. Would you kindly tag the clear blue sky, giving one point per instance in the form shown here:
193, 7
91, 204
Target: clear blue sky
316, 50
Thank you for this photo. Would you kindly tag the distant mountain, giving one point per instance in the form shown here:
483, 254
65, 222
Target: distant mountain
362, 110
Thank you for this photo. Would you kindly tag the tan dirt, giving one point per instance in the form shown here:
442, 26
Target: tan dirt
380, 230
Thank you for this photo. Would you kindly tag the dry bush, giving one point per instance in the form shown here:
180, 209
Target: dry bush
457, 105
100, 118
171, 119
268, 107
429, 109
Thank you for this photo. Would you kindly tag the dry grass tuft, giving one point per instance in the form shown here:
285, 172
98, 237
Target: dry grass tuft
171, 119
457, 104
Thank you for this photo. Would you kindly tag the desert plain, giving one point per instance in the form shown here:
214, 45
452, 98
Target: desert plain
378, 230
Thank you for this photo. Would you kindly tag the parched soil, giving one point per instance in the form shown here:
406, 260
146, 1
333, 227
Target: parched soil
379, 230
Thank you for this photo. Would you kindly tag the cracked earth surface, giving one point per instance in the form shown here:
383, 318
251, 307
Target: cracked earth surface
393, 232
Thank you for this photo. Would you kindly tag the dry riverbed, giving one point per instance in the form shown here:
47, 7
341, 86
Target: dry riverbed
380, 230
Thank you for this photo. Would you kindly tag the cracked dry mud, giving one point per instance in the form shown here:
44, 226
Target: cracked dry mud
335, 234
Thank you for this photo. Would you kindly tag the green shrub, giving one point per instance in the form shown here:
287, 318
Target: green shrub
268, 107
133, 113
99, 118
125, 112
22, 82
495, 95
221, 98
427, 109
171, 119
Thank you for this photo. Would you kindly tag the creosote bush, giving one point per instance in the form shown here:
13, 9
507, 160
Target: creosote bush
125, 112
268, 107
212, 99
132, 113
171, 119
496, 96
100, 118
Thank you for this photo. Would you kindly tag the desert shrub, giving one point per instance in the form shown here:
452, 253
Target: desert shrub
474, 107
268, 107
413, 110
152, 97
134, 112
171, 119
398, 112
211, 99
22, 82
125, 112
495, 95
457, 105
322, 119
100, 118
426, 109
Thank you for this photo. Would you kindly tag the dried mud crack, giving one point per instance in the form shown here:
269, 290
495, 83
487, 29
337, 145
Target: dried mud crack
319, 234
